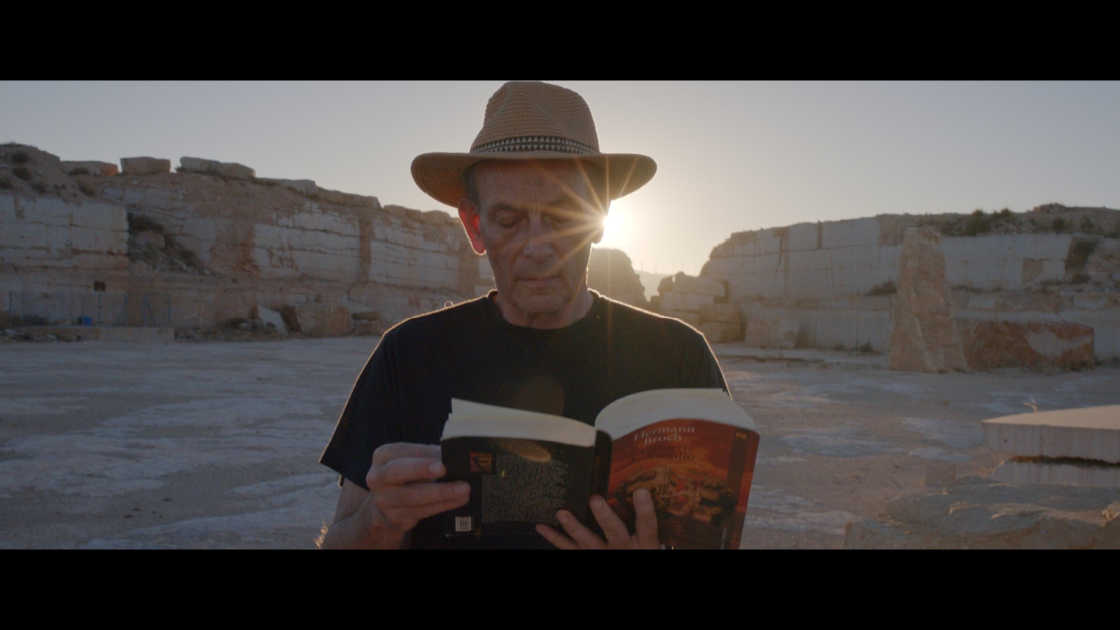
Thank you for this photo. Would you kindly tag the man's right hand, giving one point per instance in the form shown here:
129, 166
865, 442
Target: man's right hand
402, 491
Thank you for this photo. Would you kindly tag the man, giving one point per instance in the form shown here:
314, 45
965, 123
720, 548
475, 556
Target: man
531, 194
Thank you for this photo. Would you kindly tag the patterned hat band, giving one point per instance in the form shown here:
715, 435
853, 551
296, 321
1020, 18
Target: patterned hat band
521, 144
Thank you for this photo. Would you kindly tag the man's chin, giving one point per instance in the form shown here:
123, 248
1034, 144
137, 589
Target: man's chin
533, 303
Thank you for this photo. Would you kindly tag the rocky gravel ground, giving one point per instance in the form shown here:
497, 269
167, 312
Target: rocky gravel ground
215, 444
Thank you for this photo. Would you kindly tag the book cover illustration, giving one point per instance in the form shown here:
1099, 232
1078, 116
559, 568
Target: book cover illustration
699, 474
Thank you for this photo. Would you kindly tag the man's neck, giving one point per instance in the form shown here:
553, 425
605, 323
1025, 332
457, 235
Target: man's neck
572, 312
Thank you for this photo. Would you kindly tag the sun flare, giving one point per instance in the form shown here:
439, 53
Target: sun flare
615, 223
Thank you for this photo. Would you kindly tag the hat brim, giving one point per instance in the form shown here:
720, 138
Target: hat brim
441, 174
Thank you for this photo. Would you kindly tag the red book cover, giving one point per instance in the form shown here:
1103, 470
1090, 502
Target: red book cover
699, 474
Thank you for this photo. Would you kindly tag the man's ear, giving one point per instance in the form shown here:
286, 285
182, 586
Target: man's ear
469, 217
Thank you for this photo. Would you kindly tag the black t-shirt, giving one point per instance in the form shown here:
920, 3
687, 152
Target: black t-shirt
469, 351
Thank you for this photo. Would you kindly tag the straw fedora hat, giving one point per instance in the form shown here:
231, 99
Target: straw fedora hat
532, 121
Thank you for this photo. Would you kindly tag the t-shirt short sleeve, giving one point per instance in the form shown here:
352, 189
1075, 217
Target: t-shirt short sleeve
369, 418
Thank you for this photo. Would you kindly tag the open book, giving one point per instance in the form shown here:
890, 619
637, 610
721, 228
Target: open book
694, 449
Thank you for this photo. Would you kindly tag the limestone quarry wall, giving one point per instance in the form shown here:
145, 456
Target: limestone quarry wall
212, 243
193, 249
835, 283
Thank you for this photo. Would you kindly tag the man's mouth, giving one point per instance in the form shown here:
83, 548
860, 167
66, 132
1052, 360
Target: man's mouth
538, 282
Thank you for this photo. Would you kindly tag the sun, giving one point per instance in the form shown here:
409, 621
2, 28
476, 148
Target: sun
615, 223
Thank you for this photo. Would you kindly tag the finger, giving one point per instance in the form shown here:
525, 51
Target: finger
404, 470
406, 517
584, 537
645, 520
419, 494
396, 450
613, 527
560, 541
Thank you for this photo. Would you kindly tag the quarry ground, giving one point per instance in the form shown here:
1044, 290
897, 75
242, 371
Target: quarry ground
216, 444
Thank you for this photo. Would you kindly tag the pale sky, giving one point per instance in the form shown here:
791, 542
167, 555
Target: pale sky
731, 155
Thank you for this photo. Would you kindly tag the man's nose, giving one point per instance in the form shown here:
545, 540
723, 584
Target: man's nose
541, 241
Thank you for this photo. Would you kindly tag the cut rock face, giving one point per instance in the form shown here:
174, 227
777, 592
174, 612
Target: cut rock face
924, 337
995, 344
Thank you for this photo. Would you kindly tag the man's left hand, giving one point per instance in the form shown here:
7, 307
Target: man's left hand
618, 537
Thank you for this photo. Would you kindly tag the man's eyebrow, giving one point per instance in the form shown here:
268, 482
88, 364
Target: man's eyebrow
564, 202
502, 206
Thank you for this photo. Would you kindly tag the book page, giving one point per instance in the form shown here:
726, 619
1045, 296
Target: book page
629, 413
471, 419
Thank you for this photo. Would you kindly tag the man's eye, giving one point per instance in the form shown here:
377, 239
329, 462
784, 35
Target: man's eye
562, 219
508, 220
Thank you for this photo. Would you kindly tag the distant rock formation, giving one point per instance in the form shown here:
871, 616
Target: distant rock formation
611, 273
702, 303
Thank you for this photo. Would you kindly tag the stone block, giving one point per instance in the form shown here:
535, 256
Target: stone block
197, 165
721, 313
269, 316
924, 337
1039, 345
214, 167
699, 285
320, 319
144, 166
804, 237
719, 332
102, 169
235, 171
680, 301
853, 232
1086, 433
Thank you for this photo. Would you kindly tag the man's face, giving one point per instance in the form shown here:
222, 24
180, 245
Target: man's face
536, 221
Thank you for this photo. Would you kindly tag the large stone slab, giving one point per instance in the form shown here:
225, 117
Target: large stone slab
1086, 433
996, 344
924, 337
214, 167
144, 166
104, 169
